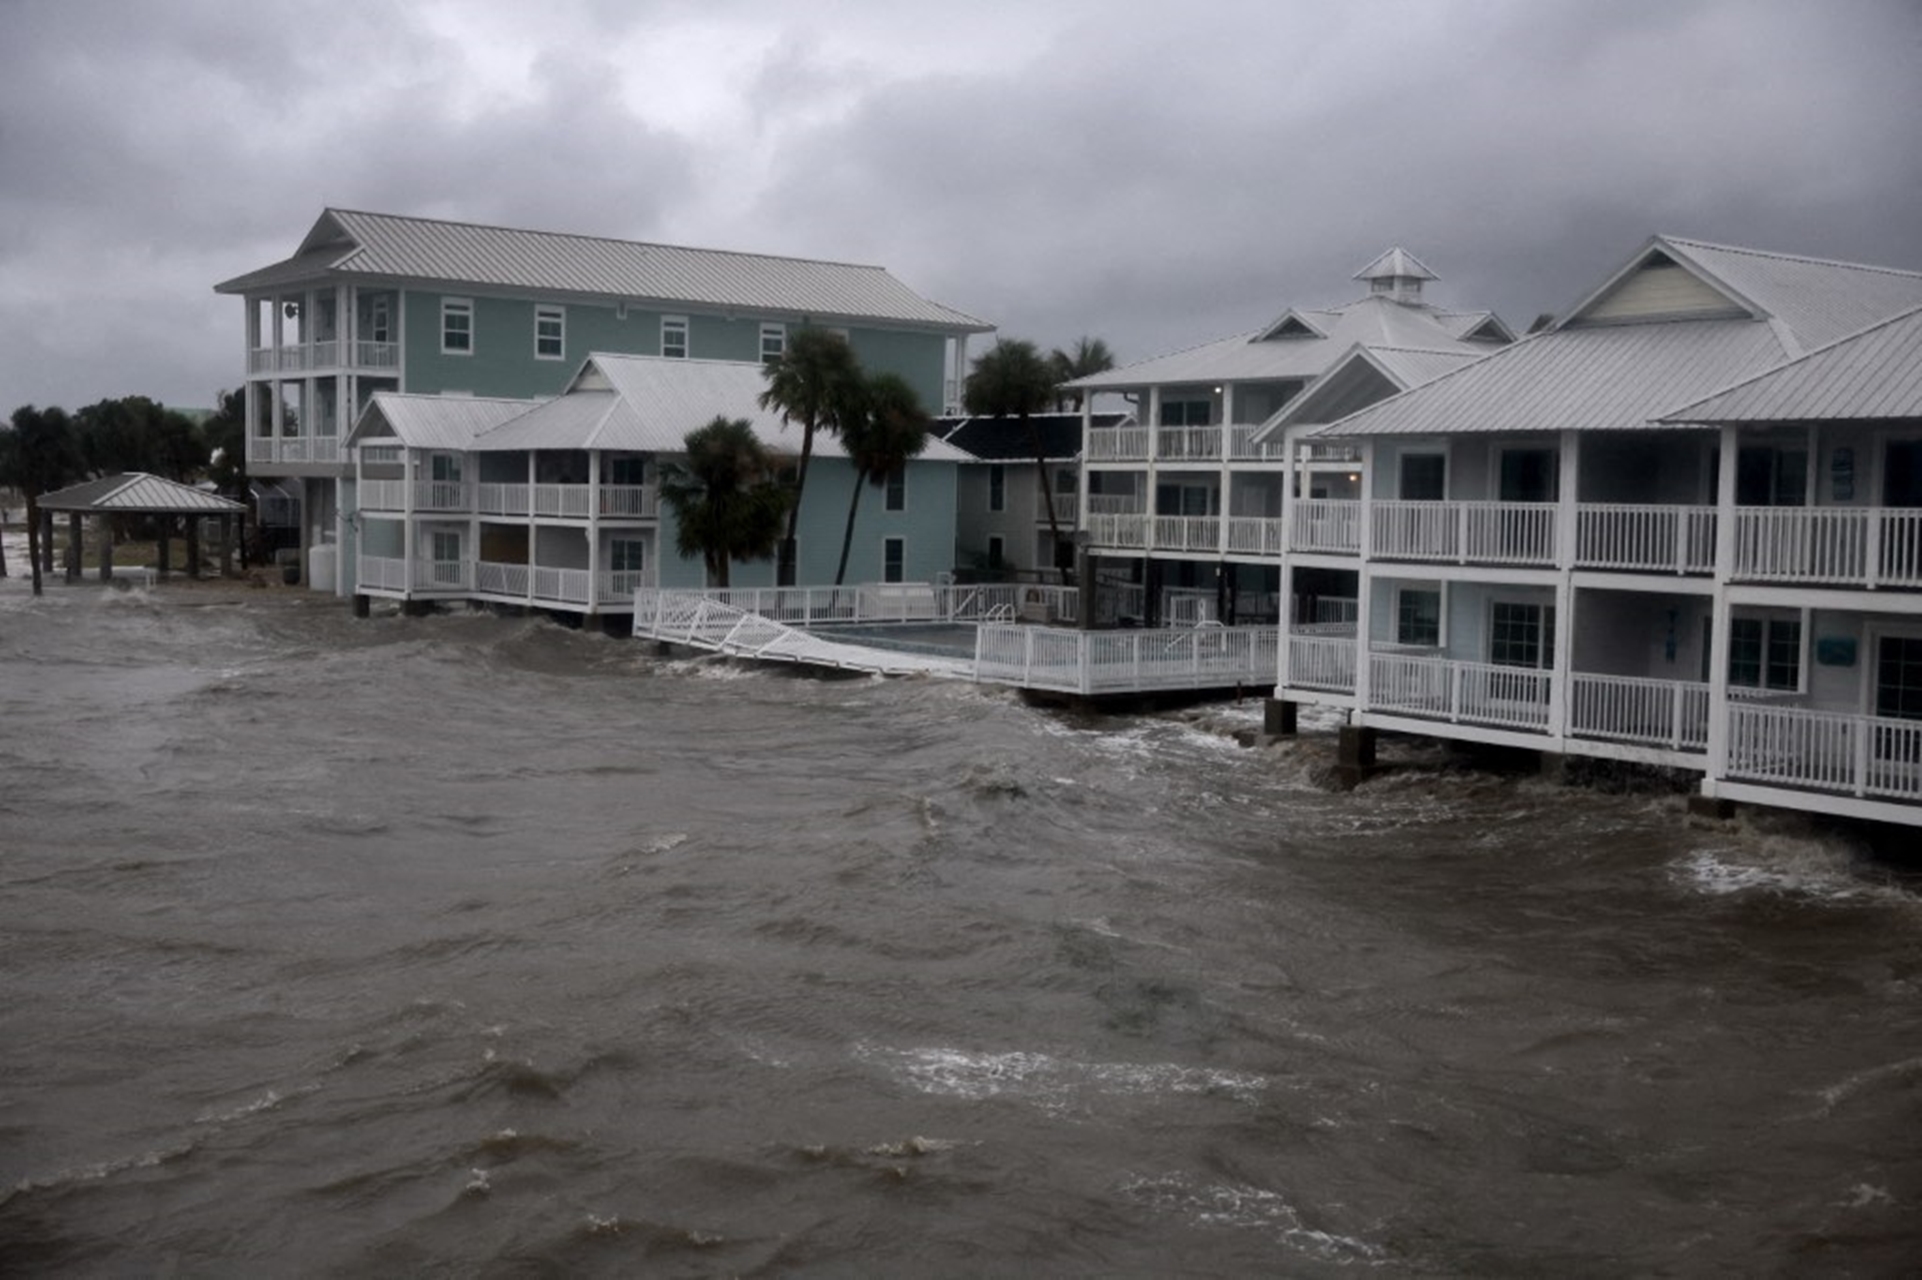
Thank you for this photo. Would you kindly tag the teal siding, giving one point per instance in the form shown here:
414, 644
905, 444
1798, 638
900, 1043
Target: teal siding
503, 362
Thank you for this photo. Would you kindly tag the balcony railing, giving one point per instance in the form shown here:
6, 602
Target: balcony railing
272, 450
1067, 508
1108, 661
1467, 692
1188, 444
1242, 446
567, 501
1656, 713
1117, 504
1119, 530
1857, 546
1611, 535
323, 354
435, 496
1254, 535
1327, 524
1118, 444
1325, 662
1518, 533
1187, 533
1825, 751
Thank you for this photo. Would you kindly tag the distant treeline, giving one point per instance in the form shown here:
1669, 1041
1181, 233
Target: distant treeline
46, 449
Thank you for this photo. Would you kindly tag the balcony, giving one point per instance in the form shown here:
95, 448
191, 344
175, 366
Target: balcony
309, 357
568, 501
1651, 713
1846, 546
1511, 533
1637, 537
1187, 533
430, 496
1327, 524
1851, 755
1254, 536
1067, 508
268, 451
1117, 444
1460, 692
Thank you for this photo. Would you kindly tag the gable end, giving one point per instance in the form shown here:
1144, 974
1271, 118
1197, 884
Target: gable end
1659, 288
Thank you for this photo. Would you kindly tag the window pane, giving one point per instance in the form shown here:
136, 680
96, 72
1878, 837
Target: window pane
1745, 652
1418, 618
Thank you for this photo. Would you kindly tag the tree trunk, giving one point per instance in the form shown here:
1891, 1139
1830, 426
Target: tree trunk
847, 538
786, 556
33, 537
1047, 485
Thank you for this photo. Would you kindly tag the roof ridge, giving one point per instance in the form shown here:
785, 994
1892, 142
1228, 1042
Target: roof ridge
1787, 257
578, 235
1790, 361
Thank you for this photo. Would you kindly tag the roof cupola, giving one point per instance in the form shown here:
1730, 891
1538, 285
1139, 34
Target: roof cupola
1397, 274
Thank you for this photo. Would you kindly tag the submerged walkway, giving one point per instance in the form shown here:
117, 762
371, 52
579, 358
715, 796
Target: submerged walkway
990, 646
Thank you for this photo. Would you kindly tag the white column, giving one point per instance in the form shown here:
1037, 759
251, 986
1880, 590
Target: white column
1365, 582
593, 529
1718, 701
410, 535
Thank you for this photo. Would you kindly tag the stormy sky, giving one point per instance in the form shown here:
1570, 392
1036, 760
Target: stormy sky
1154, 174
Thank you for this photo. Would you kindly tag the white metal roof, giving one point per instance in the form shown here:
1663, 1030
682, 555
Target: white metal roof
648, 404
347, 242
1358, 375
433, 422
1376, 320
1396, 263
132, 491
1874, 374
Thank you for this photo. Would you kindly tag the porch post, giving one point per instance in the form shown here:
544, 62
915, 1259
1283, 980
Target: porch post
103, 530
594, 529
1365, 581
1567, 509
1286, 623
73, 546
1562, 675
533, 528
1718, 703
409, 535
193, 545
1289, 448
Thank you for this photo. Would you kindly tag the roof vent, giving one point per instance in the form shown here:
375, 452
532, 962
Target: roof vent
1397, 274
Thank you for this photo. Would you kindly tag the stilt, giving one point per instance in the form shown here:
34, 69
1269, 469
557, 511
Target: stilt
46, 544
1553, 766
164, 546
1354, 755
1713, 808
363, 605
193, 547
103, 530
74, 546
1278, 717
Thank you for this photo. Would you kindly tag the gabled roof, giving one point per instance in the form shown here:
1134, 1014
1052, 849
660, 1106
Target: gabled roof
1376, 320
1008, 440
1870, 375
1291, 324
432, 422
351, 243
137, 491
648, 404
1625, 374
1364, 375
1396, 264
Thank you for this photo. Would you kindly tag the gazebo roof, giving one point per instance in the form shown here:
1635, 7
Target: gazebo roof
136, 491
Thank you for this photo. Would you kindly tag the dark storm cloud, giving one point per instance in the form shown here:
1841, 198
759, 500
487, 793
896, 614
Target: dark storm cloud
1155, 175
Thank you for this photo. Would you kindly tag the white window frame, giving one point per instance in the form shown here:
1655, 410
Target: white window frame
435, 542
773, 342
1545, 627
672, 325
380, 319
452, 308
615, 547
1438, 589
558, 315
901, 567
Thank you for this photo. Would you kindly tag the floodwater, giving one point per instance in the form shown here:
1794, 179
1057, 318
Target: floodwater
471, 945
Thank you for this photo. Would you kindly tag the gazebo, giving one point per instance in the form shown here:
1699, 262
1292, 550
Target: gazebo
135, 493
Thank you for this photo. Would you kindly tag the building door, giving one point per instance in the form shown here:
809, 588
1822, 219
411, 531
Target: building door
1528, 475
1424, 477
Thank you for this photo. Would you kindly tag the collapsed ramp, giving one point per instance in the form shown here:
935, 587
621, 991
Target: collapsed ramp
695, 619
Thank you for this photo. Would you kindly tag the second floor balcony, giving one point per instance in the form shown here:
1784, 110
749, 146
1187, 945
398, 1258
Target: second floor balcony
609, 502
326, 354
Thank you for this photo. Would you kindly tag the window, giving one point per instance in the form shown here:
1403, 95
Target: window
997, 551
1424, 477
446, 547
674, 337
1766, 477
379, 323
1528, 475
997, 487
773, 342
444, 468
550, 333
627, 555
1184, 413
897, 489
456, 327
627, 470
1765, 653
1898, 677
1521, 635
1418, 616
894, 556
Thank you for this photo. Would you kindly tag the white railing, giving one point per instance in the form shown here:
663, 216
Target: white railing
1091, 662
1242, 446
1825, 751
301, 449
631, 501
1330, 453
1119, 530
381, 573
619, 585
1321, 662
1188, 444
1867, 546
1187, 606
1117, 504
563, 501
1656, 713
569, 586
1330, 611
1187, 533
382, 495
1067, 508
440, 495
492, 499
1472, 692
1615, 535
377, 355
1479, 532
1254, 535
441, 575
1117, 444
1327, 524
497, 579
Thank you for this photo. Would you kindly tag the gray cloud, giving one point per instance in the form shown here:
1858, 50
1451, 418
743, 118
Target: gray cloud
1157, 177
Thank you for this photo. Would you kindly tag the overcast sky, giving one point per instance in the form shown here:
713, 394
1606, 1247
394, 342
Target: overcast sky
1154, 174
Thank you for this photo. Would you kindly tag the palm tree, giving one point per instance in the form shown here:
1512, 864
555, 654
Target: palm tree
817, 381
40, 457
892, 429
1090, 356
1011, 379
726, 497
